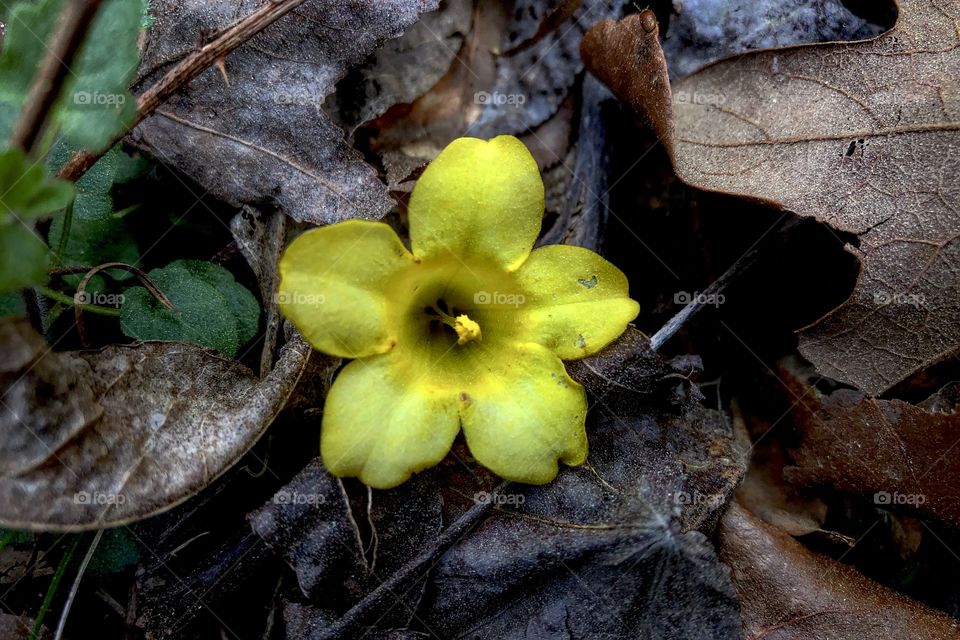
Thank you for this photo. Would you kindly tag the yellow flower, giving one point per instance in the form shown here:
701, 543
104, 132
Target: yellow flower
466, 331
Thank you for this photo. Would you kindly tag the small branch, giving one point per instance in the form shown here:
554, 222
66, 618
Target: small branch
62, 50
63, 298
408, 574
80, 296
745, 261
185, 71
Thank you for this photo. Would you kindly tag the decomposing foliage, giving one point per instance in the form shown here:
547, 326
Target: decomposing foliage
161, 159
101, 438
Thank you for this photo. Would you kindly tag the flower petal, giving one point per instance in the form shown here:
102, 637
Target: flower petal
334, 286
380, 426
575, 302
524, 415
478, 200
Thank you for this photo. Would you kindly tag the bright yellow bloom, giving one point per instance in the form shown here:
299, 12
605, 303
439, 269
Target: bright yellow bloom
466, 331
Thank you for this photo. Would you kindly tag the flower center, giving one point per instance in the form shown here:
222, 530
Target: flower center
467, 330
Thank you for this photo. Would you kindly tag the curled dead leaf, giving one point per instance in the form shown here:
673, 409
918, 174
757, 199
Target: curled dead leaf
101, 438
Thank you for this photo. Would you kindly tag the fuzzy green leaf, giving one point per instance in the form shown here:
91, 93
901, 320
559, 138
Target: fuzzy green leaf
96, 235
212, 308
25, 190
23, 257
95, 103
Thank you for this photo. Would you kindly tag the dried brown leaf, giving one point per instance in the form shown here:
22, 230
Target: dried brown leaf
788, 592
403, 69
895, 454
857, 135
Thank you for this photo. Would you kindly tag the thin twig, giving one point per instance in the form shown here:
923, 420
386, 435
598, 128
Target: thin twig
745, 261
80, 296
63, 298
406, 576
62, 49
76, 586
185, 71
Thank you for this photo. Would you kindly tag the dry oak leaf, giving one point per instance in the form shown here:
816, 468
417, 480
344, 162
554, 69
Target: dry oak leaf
861, 136
788, 592
100, 438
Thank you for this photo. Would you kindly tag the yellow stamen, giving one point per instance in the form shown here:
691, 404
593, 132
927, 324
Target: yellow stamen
467, 329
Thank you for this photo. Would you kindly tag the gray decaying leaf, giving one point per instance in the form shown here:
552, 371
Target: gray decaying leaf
310, 524
259, 136
597, 553
787, 592
608, 549
532, 82
577, 188
260, 237
95, 439
404, 68
18, 628
514, 72
707, 30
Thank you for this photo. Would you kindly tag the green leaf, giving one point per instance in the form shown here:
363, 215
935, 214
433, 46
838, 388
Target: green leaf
23, 258
147, 20
14, 537
28, 28
95, 103
8, 116
116, 551
96, 235
11, 305
25, 190
239, 300
25, 193
130, 168
212, 308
